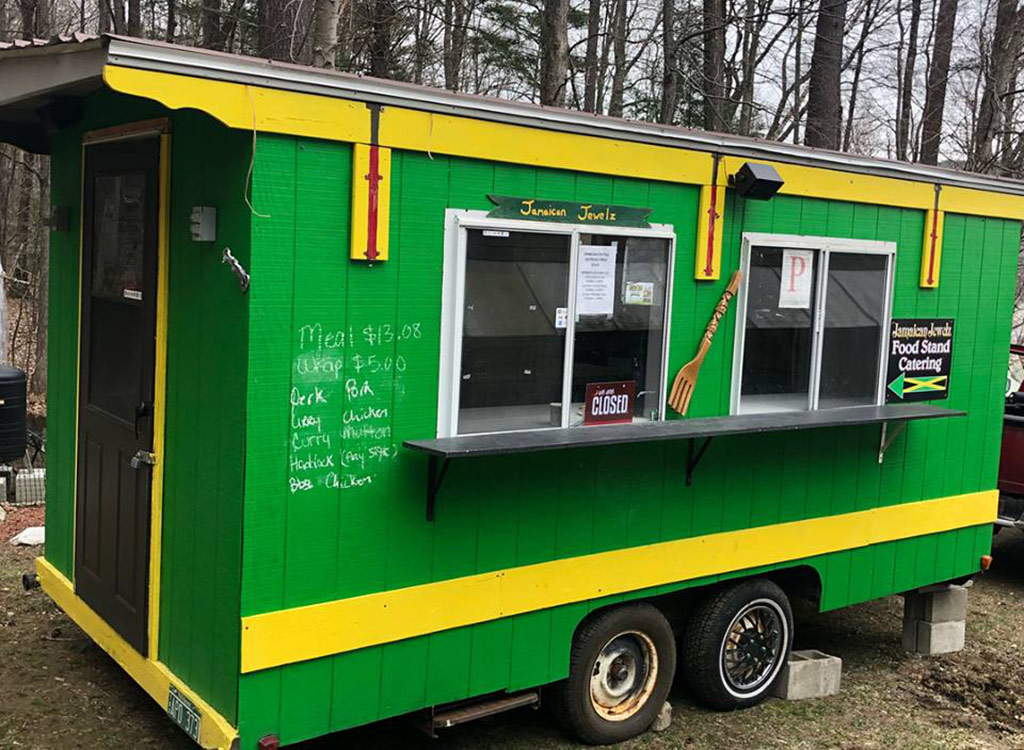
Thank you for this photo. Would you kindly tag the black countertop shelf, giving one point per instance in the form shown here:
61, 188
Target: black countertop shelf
442, 450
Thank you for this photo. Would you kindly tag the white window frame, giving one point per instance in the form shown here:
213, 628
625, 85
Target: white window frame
826, 246
457, 221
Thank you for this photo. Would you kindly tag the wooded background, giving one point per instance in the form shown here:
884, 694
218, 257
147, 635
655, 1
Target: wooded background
930, 81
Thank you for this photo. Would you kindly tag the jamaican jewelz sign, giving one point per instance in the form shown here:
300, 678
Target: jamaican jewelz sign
567, 212
920, 355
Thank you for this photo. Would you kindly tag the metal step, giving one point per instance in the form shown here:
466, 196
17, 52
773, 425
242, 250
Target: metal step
461, 713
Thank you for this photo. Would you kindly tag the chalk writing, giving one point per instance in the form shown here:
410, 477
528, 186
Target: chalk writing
341, 403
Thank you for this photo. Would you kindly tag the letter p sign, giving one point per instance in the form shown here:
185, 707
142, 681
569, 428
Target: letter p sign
797, 279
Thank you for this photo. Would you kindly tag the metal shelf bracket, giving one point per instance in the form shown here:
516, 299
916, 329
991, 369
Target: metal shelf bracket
887, 438
436, 470
694, 455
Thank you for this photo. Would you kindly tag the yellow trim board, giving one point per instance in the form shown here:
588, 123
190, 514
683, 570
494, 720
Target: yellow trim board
215, 732
311, 115
293, 635
156, 493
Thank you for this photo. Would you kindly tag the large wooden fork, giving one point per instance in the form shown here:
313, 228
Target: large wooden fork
686, 380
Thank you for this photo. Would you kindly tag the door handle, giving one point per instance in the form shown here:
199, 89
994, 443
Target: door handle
143, 457
142, 409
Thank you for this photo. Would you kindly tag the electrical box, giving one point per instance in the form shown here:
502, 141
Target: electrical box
204, 224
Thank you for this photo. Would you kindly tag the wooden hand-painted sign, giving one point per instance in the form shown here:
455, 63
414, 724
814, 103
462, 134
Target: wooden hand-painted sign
920, 355
568, 212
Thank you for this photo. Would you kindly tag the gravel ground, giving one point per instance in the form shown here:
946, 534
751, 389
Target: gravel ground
60, 692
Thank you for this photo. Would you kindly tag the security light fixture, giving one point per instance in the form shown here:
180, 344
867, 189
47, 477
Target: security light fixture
756, 181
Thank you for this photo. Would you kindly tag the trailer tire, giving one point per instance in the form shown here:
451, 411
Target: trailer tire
611, 699
751, 620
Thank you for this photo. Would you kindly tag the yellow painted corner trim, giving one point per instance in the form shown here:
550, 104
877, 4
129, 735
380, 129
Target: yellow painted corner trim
215, 733
931, 250
292, 635
371, 203
248, 107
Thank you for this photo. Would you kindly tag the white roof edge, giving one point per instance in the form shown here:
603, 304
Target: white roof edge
235, 68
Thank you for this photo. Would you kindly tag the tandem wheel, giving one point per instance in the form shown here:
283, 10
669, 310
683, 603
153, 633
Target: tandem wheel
735, 645
621, 668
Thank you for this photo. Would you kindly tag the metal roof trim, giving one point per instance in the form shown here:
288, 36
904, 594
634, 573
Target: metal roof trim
168, 58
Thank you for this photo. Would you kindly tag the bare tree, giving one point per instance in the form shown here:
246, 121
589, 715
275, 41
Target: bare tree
590, 66
906, 80
824, 103
938, 75
554, 51
1006, 44
325, 32
714, 65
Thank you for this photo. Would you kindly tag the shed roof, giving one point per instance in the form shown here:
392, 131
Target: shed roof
43, 80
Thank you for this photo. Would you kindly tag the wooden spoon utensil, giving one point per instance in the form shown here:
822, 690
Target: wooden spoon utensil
686, 379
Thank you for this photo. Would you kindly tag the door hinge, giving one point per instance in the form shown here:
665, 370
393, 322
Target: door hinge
143, 457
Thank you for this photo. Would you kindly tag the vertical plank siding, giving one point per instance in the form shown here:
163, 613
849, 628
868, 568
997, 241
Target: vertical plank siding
204, 465
368, 534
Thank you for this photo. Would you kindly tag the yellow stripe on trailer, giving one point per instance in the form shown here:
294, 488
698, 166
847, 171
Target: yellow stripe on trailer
293, 635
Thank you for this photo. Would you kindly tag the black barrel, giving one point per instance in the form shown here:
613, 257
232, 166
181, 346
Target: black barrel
12, 414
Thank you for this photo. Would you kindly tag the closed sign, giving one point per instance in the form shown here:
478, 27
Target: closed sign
609, 403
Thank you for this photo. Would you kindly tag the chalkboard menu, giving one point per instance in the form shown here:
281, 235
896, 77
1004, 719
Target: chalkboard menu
920, 354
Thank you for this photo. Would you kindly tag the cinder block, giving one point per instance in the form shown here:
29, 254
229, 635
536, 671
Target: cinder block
940, 637
945, 605
809, 674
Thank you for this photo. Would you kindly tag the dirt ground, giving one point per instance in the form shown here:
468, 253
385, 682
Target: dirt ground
60, 692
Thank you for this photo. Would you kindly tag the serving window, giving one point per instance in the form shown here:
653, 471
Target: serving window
811, 324
549, 326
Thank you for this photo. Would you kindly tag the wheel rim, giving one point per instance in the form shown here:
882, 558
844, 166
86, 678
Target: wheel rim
623, 676
753, 647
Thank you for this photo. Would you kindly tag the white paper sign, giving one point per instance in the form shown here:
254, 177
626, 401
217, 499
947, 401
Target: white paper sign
561, 317
595, 280
797, 279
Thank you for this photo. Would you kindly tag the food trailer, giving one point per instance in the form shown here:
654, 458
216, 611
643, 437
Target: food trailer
369, 399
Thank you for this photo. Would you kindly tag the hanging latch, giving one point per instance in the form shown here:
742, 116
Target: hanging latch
143, 457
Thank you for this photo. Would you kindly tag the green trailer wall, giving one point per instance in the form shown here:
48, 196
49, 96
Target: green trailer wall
205, 424
303, 547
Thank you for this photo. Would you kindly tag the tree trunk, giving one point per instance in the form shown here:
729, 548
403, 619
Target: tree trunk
907, 85
615, 103
554, 52
213, 37
938, 75
134, 18
590, 64
382, 21
670, 75
456, 22
870, 15
824, 104
172, 21
325, 33
998, 74
276, 27
714, 65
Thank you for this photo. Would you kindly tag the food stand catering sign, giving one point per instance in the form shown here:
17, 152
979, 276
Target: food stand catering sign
920, 354
567, 212
609, 403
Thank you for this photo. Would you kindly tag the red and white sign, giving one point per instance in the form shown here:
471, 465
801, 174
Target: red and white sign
609, 403
797, 279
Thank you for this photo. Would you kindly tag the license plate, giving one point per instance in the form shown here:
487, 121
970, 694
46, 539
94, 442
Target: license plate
183, 712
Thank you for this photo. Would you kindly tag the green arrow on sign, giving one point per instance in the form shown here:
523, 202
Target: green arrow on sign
896, 386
